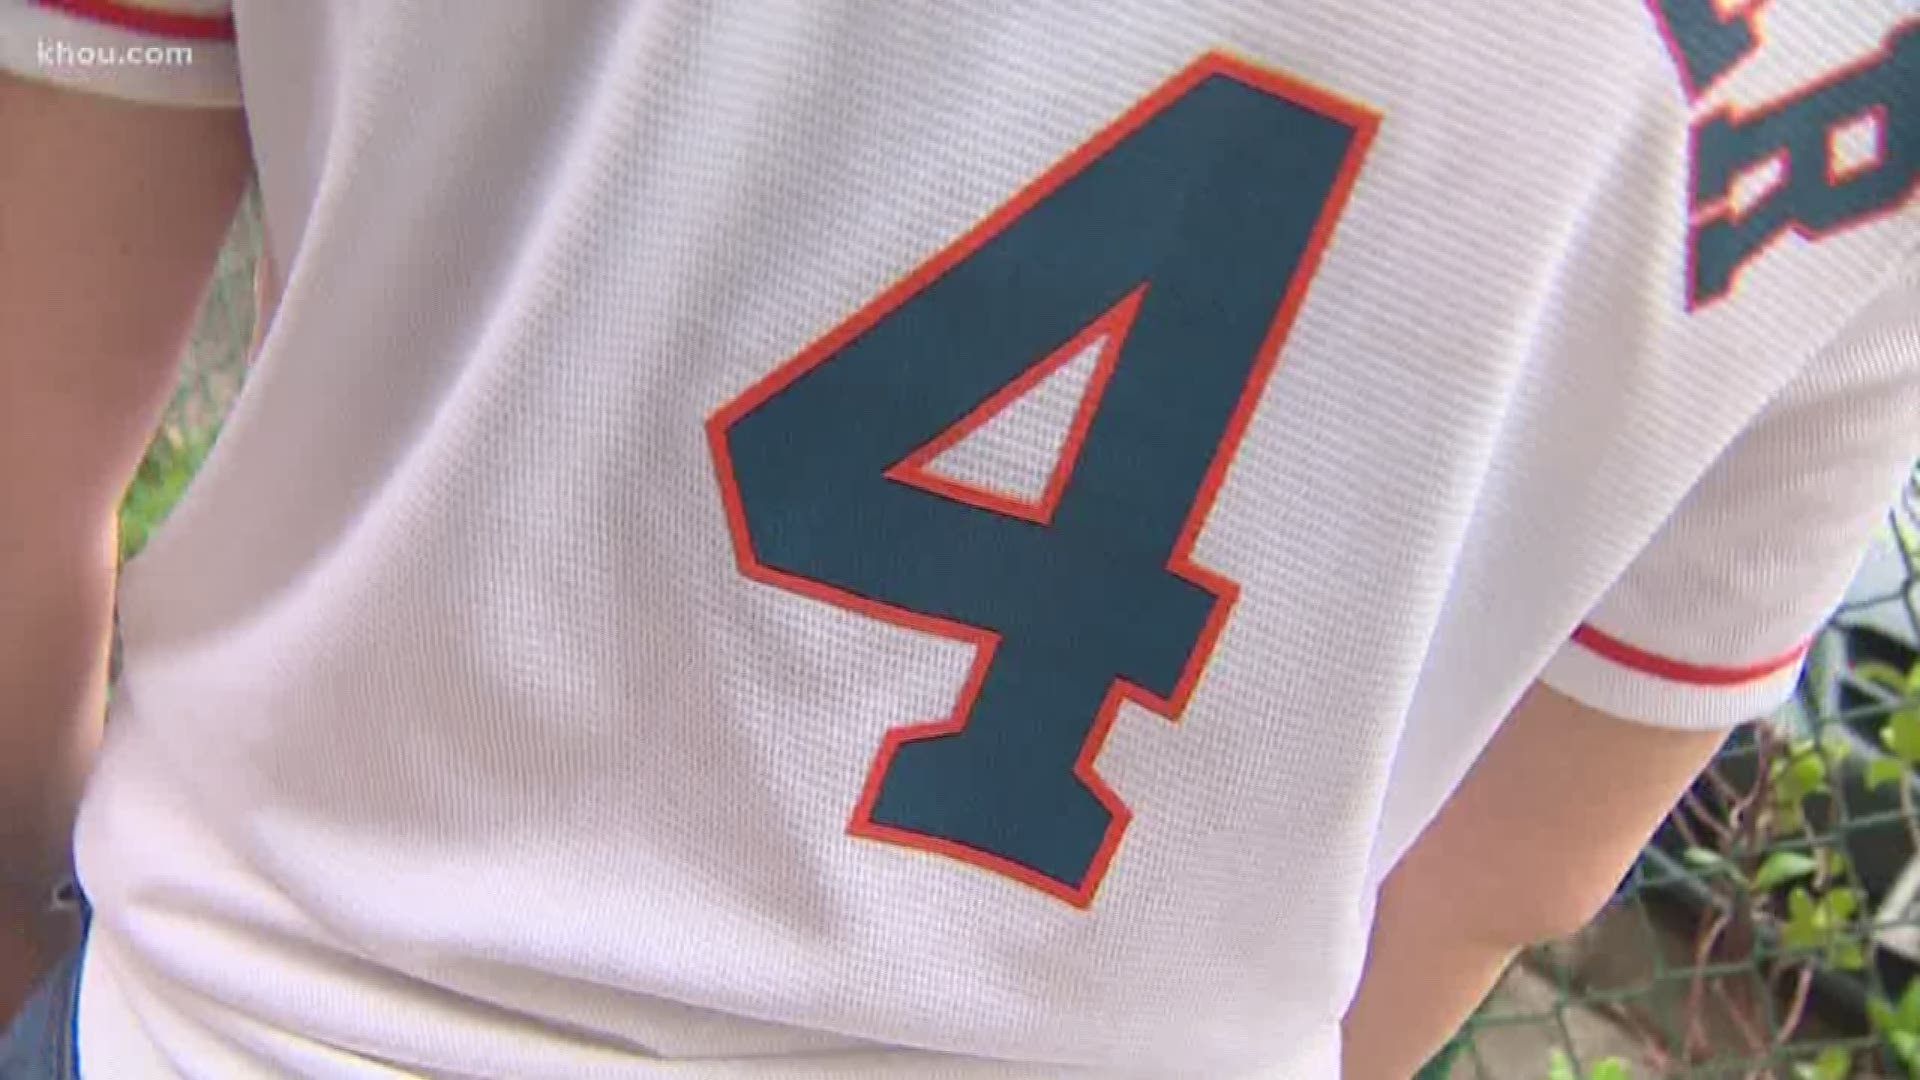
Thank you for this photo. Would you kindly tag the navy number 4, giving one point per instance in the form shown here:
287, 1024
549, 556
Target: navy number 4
1186, 232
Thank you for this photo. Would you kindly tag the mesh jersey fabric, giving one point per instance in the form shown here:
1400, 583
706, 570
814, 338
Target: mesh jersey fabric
452, 740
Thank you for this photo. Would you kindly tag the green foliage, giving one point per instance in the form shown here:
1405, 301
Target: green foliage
1901, 732
1899, 1025
1781, 867
1834, 1063
1883, 771
1799, 773
1560, 1067
1901, 735
1900, 684
171, 460
1834, 744
1824, 924
1609, 1069
1709, 862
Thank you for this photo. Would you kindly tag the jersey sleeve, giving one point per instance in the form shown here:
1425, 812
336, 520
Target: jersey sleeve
1709, 624
163, 52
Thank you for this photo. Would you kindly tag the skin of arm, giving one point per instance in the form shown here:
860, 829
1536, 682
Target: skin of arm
111, 217
1528, 848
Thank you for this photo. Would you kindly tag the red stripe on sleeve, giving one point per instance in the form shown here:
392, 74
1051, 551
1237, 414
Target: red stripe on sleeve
1679, 670
147, 20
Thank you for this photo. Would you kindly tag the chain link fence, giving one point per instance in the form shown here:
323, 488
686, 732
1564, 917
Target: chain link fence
1771, 929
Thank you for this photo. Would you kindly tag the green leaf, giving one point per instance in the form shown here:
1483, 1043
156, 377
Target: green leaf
1835, 745
1559, 1065
1846, 955
1909, 1009
1834, 1063
1885, 676
1800, 775
1808, 773
1609, 1069
1782, 867
1842, 903
1805, 927
1906, 1044
1882, 1015
1788, 819
1707, 860
1902, 734
1835, 861
1882, 771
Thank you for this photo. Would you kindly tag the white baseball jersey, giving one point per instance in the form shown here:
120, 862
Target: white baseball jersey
809, 539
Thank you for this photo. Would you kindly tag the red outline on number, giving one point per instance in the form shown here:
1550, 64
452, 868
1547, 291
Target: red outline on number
912, 469
1713, 211
1364, 122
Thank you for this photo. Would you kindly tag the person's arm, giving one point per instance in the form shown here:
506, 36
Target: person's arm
111, 216
1704, 629
1528, 848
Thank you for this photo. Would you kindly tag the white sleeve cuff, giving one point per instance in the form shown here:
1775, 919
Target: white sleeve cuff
1605, 673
